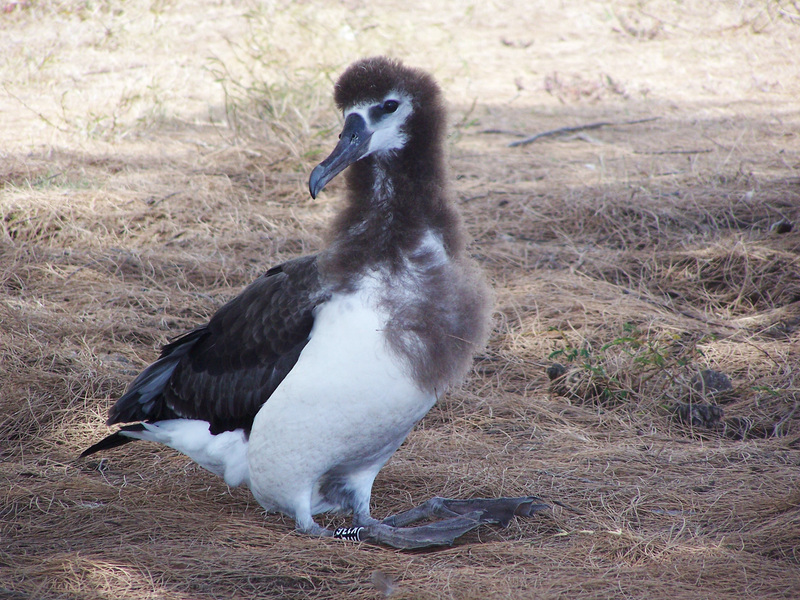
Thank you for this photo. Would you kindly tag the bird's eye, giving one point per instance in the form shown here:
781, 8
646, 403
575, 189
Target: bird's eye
390, 106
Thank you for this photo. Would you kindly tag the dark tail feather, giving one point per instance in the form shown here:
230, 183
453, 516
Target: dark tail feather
144, 401
113, 440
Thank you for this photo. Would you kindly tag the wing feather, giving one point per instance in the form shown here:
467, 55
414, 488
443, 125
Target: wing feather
224, 371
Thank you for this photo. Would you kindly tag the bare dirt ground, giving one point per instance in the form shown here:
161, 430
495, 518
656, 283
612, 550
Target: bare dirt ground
154, 159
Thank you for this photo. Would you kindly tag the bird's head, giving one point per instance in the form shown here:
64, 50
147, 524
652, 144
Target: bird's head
387, 107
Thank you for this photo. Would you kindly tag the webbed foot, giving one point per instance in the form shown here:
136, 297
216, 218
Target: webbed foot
459, 517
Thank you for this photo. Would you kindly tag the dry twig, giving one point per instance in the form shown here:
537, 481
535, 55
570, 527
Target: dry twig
577, 128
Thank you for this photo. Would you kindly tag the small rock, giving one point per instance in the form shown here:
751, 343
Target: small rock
698, 414
782, 226
555, 371
709, 382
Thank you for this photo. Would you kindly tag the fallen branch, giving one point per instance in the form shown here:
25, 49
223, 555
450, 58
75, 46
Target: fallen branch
703, 151
503, 132
562, 130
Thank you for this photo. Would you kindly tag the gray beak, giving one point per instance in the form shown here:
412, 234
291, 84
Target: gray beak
353, 145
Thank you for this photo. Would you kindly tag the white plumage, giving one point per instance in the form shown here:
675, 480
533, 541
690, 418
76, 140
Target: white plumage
339, 415
224, 454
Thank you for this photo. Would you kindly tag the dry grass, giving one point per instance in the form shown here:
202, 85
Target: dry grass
154, 160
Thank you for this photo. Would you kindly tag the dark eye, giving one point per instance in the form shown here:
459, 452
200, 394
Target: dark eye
390, 106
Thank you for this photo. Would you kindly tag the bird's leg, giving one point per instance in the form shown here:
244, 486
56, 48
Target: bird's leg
311, 528
461, 516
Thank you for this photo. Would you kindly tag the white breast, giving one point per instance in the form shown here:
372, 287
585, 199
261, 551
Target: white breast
345, 407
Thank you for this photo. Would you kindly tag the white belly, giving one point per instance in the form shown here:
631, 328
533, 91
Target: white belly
343, 410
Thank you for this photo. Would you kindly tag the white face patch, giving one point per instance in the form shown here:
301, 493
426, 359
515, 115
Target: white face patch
386, 127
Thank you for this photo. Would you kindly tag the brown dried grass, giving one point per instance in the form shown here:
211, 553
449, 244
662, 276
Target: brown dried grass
138, 192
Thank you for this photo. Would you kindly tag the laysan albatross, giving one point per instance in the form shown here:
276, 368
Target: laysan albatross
306, 383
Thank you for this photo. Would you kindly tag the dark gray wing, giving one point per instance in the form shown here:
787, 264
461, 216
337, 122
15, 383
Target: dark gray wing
224, 371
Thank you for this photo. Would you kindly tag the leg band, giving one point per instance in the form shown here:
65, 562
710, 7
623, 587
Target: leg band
348, 533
